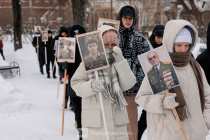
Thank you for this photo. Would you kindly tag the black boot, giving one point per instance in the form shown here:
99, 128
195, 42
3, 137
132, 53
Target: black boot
41, 70
54, 76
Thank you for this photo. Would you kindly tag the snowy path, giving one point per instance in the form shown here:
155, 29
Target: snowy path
29, 107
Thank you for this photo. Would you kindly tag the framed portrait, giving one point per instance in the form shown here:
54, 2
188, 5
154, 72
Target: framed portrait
92, 51
37, 28
111, 22
56, 47
44, 36
159, 70
66, 47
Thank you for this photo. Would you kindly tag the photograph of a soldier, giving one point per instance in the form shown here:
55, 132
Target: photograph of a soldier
44, 36
66, 49
37, 29
159, 69
92, 51
110, 22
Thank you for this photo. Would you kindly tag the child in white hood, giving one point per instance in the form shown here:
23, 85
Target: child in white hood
191, 99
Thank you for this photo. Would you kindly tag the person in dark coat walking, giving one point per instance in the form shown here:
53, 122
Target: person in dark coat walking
50, 55
40, 50
75, 101
132, 44
63, 32
204, 58
1, 48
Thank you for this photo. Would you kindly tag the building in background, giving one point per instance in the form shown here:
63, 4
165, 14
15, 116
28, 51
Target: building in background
48, 13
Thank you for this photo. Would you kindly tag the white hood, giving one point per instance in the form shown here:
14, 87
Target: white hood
172, 28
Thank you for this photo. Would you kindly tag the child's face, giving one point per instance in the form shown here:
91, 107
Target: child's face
158, 39
127, 21
182, 47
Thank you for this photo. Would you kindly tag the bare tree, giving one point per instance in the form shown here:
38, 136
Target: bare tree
17, 23
78, 8
194, 13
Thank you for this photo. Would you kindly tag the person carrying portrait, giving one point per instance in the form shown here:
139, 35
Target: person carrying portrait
111, 83
75, 101
50, 55
40, 50
94, 57
191, 99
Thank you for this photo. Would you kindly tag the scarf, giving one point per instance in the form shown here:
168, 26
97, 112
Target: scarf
181, 60
112, 89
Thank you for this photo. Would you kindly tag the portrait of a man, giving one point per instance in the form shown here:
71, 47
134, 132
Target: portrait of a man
45, 36
66, 49
110, 22
162, 75
92, 51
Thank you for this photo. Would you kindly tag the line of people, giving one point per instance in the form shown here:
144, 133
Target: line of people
45, 53
128, 85
192, 97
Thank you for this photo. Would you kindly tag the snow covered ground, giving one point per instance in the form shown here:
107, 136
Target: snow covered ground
29, 107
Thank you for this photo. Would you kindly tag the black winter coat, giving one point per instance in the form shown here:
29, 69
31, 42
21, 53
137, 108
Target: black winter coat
204, 58
40, 48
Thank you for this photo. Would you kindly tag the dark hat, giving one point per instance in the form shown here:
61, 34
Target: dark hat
49, 32
63, 29
76, 29
127, 11
158, 30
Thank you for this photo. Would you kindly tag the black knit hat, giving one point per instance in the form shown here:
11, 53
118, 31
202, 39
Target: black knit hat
158, 30
63, 29
49, 32
76, 29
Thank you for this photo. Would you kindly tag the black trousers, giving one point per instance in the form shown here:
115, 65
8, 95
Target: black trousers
142, 124
76, 107
2, 53
51, 61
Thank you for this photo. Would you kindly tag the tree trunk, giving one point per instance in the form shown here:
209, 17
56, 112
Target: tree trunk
78, 8
17, 23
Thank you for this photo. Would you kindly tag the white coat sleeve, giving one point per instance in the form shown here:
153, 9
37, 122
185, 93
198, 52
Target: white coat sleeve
81, 84
147, 100
125, 75
206, 112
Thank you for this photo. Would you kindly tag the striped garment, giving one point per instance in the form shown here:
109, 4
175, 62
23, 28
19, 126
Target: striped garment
111, 88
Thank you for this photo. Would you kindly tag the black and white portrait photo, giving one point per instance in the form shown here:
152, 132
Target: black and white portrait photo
92, 51
110, 22
44, 36
66, 49
159, 69
37, 29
